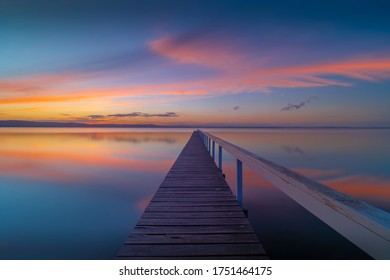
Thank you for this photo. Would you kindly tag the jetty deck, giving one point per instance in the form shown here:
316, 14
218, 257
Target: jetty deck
193, 215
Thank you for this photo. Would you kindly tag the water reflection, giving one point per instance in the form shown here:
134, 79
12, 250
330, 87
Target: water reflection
293, 150
348, 160
121, 137
85, 190
354, 162
82, 190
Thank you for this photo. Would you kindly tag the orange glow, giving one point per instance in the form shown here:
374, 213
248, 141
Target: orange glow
233, 72
87, 159
30, 93
45, 155
319, 173
359, 186
244, 76
362, 186
43, 98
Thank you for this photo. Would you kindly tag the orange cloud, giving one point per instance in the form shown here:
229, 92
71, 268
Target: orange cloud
26, 90
44, 98
364, 69
236, 70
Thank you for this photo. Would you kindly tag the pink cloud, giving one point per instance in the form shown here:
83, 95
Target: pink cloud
211, 54
244, 70
236, 70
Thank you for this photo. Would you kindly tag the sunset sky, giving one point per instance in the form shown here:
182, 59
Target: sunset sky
196, 62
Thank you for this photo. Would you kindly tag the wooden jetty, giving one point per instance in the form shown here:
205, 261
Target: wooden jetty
193, 215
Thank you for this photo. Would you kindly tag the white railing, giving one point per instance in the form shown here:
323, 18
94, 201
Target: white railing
364, 225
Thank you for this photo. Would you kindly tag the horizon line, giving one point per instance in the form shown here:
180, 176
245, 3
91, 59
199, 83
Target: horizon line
54, 124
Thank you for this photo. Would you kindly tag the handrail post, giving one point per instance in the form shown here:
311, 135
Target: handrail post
239, 181
213, 150
220, 157
209, 144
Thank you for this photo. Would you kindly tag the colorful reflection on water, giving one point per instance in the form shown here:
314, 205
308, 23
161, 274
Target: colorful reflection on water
356, 162
77, 193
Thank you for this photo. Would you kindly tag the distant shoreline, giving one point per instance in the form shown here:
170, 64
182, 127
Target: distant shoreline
33, 124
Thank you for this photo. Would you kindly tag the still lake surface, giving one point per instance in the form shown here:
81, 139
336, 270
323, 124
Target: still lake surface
71, 193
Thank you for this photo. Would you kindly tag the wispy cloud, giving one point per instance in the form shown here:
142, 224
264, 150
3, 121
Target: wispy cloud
293, 107
234, 70
236, 108
196, 48
96, 116
145, 115
248, 71
132, 115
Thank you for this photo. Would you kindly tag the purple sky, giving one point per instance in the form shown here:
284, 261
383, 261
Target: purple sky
196, 62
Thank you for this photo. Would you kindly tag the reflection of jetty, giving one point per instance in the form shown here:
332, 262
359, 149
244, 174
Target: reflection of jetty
194, 214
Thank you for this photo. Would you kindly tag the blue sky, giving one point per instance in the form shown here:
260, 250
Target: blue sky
196, 62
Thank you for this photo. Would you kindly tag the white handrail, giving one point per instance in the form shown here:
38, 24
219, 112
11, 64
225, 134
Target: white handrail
364, 225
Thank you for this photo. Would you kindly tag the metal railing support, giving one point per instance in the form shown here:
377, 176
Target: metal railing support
213, 150
239, 181
220, 157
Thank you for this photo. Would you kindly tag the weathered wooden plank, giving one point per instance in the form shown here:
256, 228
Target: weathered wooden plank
195, 209
193, 184
191, 238
193, 229
192, 203
162, 193
192, 215
194, 199
216, 189
192, 222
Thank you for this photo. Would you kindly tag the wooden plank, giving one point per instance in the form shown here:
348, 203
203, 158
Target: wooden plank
193, 229
192, 203
192, 222
194, 199
191, 238
215, 189
193, 215
193, 193
195, 209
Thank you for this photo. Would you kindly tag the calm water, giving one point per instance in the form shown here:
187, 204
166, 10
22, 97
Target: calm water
77, 193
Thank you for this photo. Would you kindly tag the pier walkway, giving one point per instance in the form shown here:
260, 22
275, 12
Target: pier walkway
193, 215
